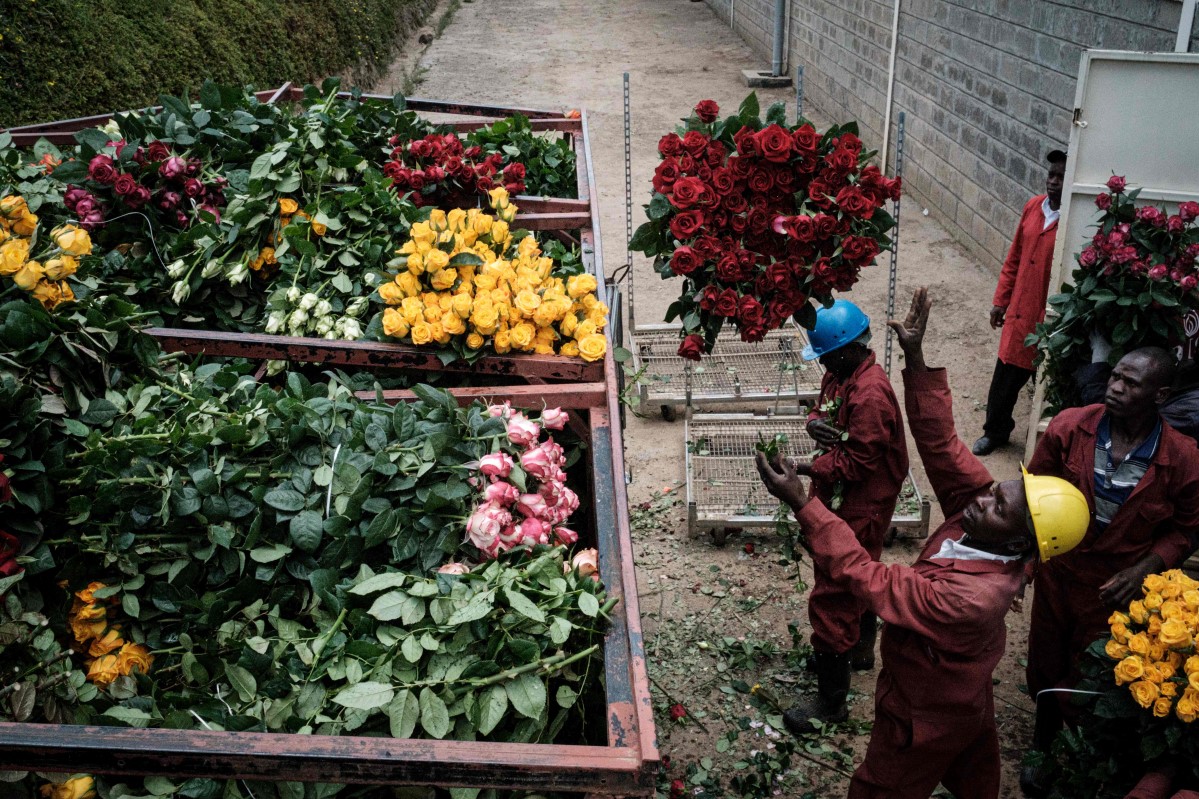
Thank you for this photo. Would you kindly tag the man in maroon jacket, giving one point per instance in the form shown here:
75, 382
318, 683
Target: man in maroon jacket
1019, 304
858, 424
944, 632
1141, 478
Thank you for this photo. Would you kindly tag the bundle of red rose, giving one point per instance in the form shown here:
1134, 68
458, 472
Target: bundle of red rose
760, 219
440, 171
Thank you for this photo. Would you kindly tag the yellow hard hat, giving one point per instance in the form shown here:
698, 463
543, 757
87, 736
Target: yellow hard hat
1059, 513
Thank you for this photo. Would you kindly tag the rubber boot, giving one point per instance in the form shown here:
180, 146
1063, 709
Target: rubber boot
861, 657
828, 705
1034, 780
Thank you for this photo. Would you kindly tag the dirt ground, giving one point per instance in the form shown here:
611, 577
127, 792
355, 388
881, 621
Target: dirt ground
712, 615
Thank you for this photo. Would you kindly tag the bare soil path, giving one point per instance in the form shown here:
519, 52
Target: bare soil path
712, 615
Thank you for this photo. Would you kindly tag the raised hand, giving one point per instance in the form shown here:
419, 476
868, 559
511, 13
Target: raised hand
910, 332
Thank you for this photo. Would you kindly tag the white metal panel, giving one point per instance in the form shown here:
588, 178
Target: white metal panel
1135, 114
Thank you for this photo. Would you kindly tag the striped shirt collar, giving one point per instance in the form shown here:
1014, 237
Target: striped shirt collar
1115, 482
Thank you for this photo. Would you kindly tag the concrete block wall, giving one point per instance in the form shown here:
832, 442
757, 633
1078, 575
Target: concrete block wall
988, 87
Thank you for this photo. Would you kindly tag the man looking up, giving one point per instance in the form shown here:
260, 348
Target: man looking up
1019, 304
1141, 478
858, 426
944, 615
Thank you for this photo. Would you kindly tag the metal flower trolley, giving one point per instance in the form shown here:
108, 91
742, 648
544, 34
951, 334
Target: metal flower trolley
626, 763
723, 487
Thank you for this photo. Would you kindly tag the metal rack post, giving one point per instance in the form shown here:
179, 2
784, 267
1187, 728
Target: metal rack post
894, 240
798, 93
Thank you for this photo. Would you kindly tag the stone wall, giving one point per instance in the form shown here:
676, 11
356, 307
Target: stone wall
988, 87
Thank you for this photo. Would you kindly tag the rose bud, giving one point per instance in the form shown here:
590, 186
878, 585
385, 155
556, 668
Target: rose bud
453, 567
534, 531
565, 536
554, 418
521, 431
501, 493
1116, 184
497, 464
173, 168
749, 548
678, 712
193, 187
532, 505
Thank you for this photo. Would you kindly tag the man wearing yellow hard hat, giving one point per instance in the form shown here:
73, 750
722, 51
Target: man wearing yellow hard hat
944, 634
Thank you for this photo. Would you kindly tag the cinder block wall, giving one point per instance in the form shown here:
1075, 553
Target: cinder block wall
988, 87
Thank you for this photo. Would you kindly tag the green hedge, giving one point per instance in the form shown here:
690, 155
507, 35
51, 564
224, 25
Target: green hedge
70, 58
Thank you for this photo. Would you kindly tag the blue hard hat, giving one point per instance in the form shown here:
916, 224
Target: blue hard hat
835, 327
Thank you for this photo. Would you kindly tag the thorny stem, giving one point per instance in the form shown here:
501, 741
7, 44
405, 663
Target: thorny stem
45, 664
319, 645
547, 665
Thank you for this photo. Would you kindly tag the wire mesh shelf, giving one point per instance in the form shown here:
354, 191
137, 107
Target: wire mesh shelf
723, 487
770, 370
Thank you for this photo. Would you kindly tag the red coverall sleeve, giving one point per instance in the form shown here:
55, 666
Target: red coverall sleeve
1007, 276
1049, 458
1183, 534
898, 594
871, 422
956, 474
1152, 786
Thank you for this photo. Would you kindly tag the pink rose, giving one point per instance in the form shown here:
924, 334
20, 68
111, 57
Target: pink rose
1152, 215
453, 567
1088, 258
502, 411
483, 527
193, 187
537, 462
497, 464
532, 506
586, 562
172, 168
534, 531
212, 211
101, 169
169, 200
73, 195
554, 418
1175, 224
521, 431
85, 206
1116, 184
1158, 272
1188, 283
1103, 202
565, 536
91, 220
1188, 210
501, 493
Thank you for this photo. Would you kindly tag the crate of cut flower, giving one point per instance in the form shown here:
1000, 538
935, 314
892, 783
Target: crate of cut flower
215, 582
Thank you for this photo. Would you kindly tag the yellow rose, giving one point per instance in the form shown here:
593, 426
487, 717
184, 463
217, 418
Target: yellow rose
76, 788
1174, 634
110, 641
527, 302
1172, 609
522, 336
569, 323
593, 347
590, 302
499, 232
581, 285
527, 247
485, 281
1193, 679
1155, 625
1116, 650
545, 315
72, 240
440, 334
1174, 660
445, 301
13, 207
134, 656
1171, 591
13, 254
1129, 669
432, 312
1120, 633
455, 219
1156, 651
391, 293
88, 595
1162, 707
103, 670
4, 234
474, 341
1152, 600
1169, 688
48, 293
498, 197
319, 229
481, 224
408, 283
570, 349
437, 219
394, 323
29, 275
443, 279
452, 323
435, 260
288, 206
1144, 692
485, 320
597, 318
25, 225
1191, 600
1139, 643
502, 342
422, 333
1187, 709
1153, 674
1153, 584
584, 329
416, 264
462, 304
1118, 618
413, 309
61, 267
1137, 612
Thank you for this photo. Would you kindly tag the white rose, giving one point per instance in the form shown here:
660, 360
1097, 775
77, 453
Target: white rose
352, 331
356, 306
275, 367
309, 301
323, 308
180, 292
293, 295
238, 274
331, 336
211, 269
176, 269
324, 325
274, 322
297, 320
371, 278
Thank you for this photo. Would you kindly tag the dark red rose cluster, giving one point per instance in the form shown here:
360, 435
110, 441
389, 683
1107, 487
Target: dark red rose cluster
153, 179
439, 170
1145, 242
758, 228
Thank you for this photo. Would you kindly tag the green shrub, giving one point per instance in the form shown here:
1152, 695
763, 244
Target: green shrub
70, 58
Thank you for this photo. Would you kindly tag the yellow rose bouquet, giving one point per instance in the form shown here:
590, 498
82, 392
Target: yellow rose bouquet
44, 274
466, 282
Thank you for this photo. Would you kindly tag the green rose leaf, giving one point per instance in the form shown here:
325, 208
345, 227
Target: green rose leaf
306, 529
523, 605
242, 681
404, 712
380, 582
365, 695
490, 708
390, 606
131, 716
285, 499
527, 695
478, 607
566, 696
411, 649
588, 604
560, 630
434, 716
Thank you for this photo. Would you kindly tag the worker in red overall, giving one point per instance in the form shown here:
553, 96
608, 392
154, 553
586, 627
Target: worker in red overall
944, 616
1019, 304
858, 426
1141, 479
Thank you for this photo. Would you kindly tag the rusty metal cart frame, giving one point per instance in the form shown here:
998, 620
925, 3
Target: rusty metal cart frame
626, 765
723, 487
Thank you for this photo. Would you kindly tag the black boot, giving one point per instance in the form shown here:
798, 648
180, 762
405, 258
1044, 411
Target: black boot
1034, 780
832, 689
861, 657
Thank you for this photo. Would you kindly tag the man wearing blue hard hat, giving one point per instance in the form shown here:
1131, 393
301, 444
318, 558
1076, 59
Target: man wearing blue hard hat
859, 429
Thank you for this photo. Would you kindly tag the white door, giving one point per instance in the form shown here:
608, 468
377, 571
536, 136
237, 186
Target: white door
1134, 115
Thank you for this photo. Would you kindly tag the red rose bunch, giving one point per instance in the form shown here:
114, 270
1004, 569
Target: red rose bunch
439, 170
759, 219
153, 179
1136, 279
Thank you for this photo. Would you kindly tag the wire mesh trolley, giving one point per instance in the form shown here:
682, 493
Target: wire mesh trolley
723, 487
